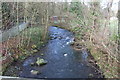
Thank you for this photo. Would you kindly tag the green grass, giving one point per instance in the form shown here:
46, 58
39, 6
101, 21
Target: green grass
34, 34
29, 37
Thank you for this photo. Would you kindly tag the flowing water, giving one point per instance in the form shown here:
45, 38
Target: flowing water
63, 60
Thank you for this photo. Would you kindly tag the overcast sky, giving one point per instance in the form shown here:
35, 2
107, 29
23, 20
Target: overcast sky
114, 5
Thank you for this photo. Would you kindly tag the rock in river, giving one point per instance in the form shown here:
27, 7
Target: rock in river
41, 62
34, 72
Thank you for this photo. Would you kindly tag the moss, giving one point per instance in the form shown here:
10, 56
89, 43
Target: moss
34, 46
40, 62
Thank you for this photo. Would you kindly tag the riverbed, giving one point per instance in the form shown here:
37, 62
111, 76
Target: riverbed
63, 60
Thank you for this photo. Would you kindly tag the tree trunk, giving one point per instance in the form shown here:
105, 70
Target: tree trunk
46, 25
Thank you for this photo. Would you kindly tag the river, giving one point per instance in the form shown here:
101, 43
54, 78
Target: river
63, 60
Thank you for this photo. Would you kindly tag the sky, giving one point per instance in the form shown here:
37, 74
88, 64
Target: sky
114, 5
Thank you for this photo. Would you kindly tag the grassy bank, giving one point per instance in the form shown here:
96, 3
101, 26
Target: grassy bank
93, 41
108, 65
30, 42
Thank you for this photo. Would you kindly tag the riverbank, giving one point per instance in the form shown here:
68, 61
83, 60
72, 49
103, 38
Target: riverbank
26, 44
63, 60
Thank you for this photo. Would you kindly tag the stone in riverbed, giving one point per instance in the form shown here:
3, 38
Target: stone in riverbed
91, 75
41, 62
34, 51
35, 72
42, 54
32, 64
65, 54
34, 46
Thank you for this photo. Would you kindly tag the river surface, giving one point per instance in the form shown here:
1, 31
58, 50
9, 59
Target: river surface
63, 60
